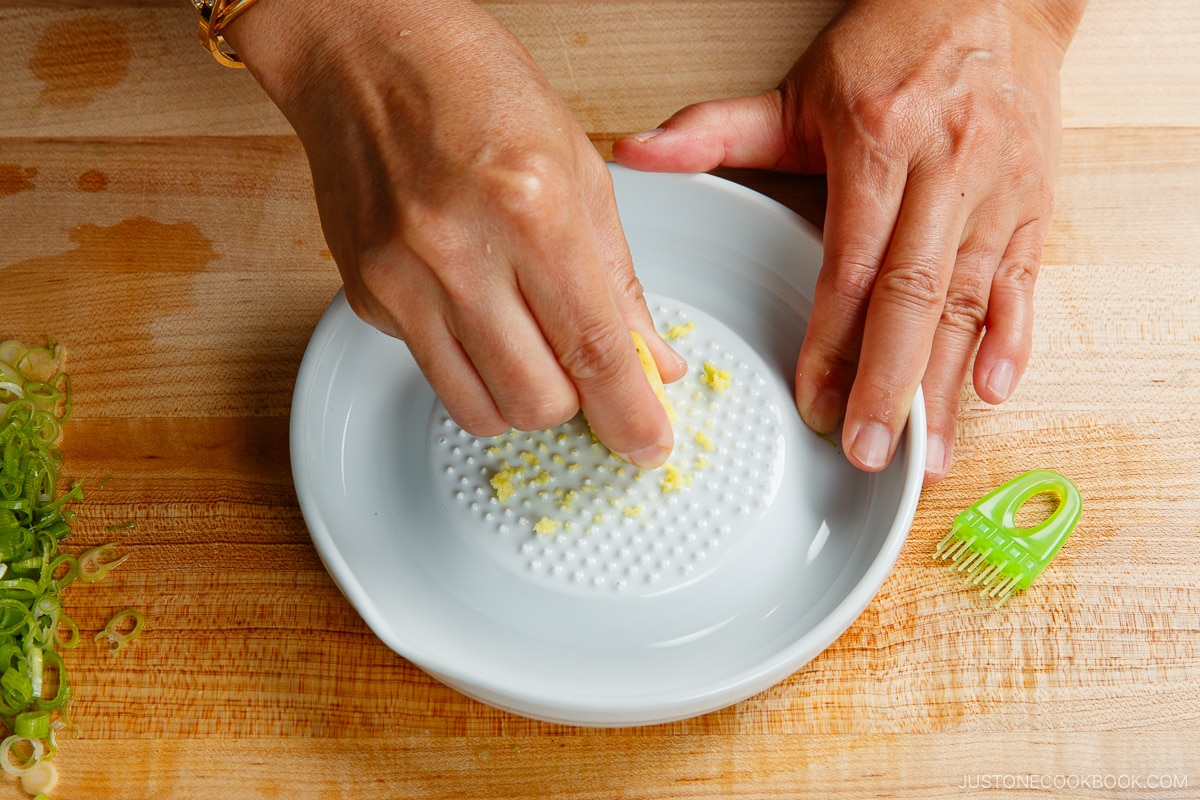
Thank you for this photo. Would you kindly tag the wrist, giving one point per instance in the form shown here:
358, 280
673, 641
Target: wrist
215, 16
288, 44
268, 36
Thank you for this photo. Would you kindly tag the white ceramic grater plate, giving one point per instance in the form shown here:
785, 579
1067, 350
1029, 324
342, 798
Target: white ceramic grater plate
645, 597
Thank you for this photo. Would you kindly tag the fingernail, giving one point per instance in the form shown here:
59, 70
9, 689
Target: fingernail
935, 456
872, 445
650, 457
646, 136
1000, 379
826, 412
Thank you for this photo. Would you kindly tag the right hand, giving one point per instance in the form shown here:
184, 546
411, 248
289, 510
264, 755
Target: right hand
468, 213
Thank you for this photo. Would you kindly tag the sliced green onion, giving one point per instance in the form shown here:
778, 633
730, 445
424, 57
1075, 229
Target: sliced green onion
9, 373
38, 363
55, 507
14, 538
24, 567
35, 690
17, 686
11, 351
90, 566
66, 632
57, 576
24, 588
32, 724
40, 778
41, 392
52, 738
47, 429
114, 630
26, 762
33, 657
57, 670
10, 487
8, 652
14, 615
39, 631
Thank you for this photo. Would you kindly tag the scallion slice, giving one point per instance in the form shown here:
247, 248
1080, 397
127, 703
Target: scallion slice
125, 626
91, 568
35, 690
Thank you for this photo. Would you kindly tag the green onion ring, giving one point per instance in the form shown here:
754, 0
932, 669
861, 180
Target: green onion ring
6, 754
91, 568
112, 631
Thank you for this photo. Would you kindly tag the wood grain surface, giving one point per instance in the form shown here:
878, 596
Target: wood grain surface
186, 294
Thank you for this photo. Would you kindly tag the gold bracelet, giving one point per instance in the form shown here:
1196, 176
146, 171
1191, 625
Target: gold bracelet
214, 16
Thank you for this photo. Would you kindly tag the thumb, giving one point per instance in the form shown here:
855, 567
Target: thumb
736, 132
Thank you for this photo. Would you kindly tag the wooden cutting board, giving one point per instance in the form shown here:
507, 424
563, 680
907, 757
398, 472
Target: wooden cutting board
185, 295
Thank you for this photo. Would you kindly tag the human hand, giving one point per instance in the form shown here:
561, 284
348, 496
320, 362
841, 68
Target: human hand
937, 124
468, 213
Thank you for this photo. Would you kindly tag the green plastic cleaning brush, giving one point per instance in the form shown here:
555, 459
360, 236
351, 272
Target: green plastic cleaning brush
986, 546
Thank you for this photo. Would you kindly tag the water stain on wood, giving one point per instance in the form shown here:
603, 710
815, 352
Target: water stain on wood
15, 178
92, 181
78, 59
141, 244
134, 265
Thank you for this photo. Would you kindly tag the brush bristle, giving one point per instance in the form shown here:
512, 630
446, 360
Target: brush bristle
976, 568
952, 548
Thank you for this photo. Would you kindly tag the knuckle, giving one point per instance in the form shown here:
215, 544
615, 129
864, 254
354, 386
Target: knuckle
1024, 167
831, 369
966, 303
628, 287
941, 401
854, 277
881, 115
966, 122
917, 282
1018, 269
878, 398
529, 190
965, 310
595, 354
1019, 273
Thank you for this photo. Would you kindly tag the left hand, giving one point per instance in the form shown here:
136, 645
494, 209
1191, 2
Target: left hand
938, 126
